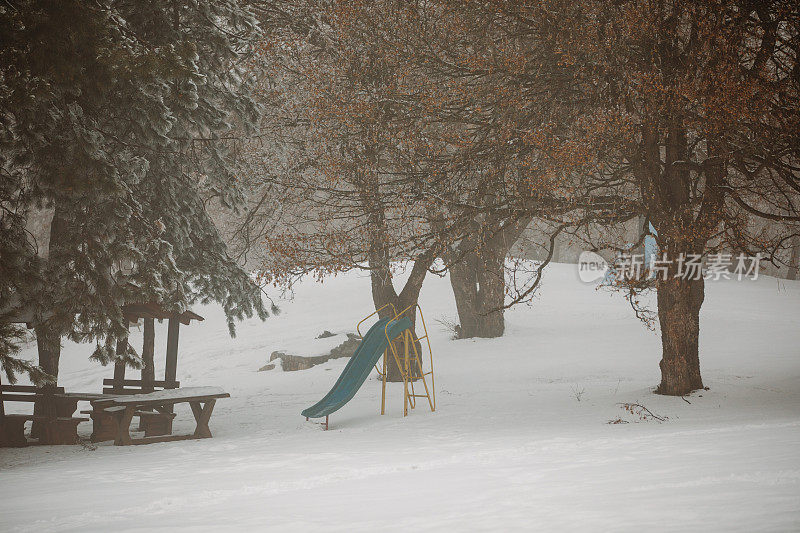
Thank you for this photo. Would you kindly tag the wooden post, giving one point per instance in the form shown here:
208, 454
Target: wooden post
405, 374
171, 368
2, 407
383, 381
148, 349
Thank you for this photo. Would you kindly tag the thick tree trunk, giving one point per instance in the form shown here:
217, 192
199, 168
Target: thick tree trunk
48, 342
478, 283
794, 261
392, 369
492, 292
383, 293
477, 275
463, 280
49, 329
683, 232
679, 303
400, 303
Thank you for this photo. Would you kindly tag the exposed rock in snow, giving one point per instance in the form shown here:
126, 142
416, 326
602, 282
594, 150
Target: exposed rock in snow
290, 363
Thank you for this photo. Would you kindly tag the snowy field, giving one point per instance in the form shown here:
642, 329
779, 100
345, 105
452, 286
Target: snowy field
520, 439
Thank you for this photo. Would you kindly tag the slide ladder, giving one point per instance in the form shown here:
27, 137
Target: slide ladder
406, 351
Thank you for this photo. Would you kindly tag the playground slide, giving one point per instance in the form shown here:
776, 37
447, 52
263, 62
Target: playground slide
358, 368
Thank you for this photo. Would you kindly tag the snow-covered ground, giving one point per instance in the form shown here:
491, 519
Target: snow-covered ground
520, 439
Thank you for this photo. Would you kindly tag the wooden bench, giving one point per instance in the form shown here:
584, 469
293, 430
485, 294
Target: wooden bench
59, 430
124, 408
56, 425
12, 430
154, 422
104, 423
64, 428
27, 393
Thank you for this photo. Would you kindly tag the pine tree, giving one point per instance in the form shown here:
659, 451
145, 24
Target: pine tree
121, 119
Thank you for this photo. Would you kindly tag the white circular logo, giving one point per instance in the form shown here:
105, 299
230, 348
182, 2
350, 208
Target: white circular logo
591, 267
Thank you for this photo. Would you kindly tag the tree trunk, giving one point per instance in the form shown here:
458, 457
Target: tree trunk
685, 218
48, 342
794, 261
379, 256
400, 303
49, 329
383, 293
477, 275
478, 282
492, 292
679, 303
463, 279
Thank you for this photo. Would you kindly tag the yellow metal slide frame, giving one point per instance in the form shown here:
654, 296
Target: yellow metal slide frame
410, 361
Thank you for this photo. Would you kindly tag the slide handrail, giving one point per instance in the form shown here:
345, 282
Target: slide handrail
381, 308
358, 326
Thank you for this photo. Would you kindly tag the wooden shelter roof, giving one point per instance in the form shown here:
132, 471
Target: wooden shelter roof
13, 313
134, 312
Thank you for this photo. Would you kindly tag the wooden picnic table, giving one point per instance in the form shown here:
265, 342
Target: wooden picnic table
124, 408
55, 423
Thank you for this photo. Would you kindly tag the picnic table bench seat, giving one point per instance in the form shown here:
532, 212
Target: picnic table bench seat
12, 430
59, 430
104, 425
54, 421
104, 422
154, 422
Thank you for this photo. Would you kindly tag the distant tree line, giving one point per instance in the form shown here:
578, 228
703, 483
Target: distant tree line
429, 134
405, 139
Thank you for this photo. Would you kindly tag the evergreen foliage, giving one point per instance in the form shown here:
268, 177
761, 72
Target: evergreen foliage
122, 118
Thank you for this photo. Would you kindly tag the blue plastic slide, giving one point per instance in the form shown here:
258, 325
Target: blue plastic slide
359, 367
